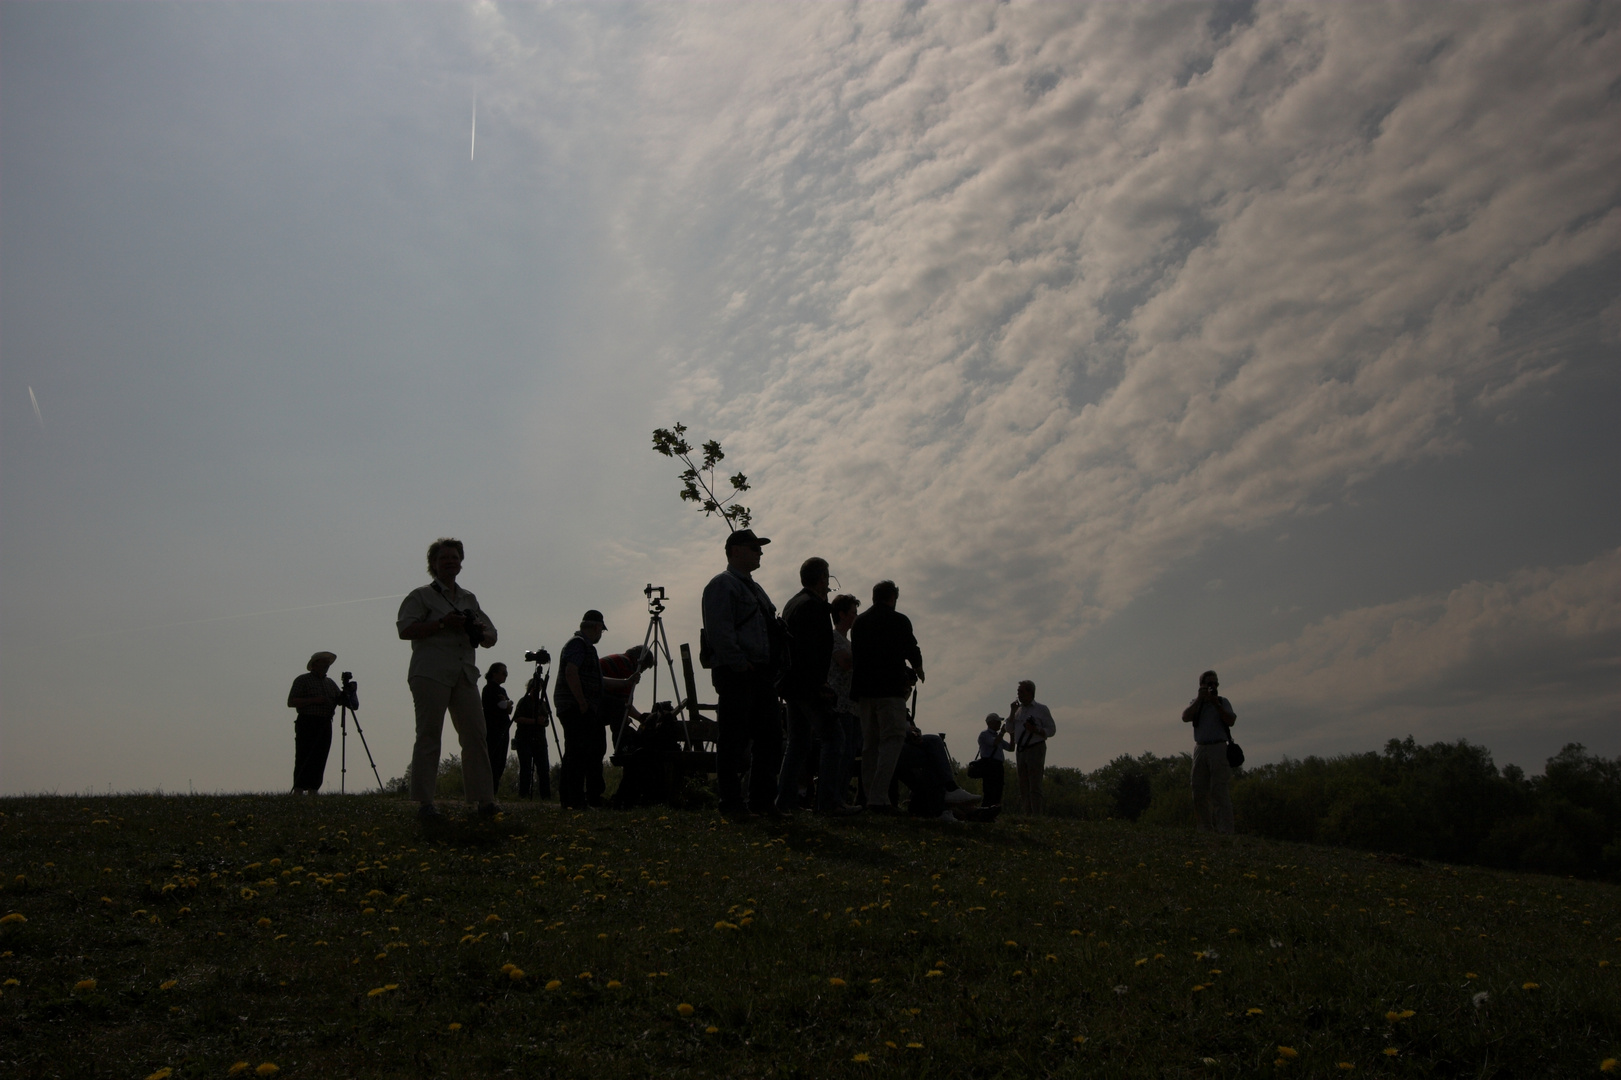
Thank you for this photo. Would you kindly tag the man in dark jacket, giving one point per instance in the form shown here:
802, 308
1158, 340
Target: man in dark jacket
805, 690
887, 665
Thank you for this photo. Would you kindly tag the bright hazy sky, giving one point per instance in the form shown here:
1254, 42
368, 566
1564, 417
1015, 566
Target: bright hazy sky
1130, 339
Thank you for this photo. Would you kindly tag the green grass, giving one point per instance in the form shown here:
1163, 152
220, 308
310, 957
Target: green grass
1024, 948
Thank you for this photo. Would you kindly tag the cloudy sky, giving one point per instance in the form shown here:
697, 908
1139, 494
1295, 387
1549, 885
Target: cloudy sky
1129, 339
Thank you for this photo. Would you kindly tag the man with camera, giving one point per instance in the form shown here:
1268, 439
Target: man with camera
581, 709
888, 664
1030, 723
316, 698
1212, 717
736, 647
445, 626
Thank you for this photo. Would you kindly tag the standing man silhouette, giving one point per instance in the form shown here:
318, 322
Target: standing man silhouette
737, 646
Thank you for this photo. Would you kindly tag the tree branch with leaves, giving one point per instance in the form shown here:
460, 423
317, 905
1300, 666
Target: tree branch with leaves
698, 480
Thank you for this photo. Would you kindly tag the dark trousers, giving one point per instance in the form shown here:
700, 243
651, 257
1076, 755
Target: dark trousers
749, 723
497, 733
919, 769
530, 743
992, 783
815, 738
312, 742
585, 741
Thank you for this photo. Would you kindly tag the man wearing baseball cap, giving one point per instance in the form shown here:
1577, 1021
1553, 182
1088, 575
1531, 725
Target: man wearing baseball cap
736, 647
579, 710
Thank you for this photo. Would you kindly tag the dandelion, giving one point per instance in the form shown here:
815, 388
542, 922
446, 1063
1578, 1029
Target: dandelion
862, 1059
1011, 944
914, 1046
1404, 1014
684, 1009
1288, 1053
932, 973
1529, 986
14, 917
269, 1068
1141, 962
1345, 1066
1390, 1051
1079, 1039
168, 984
1609, 1065
614, 984
492, 918
554, 984
835, 981
507, 969
711, 1030
1252, 1012
1470, 975
262, 923
238, 1069
84, 984
162, 1074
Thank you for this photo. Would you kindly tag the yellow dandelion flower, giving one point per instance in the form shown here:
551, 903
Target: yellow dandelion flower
506, 969
554, 984
1252, 1012
515, 974
1390, 1051
492, 918
1392, 1016
614, 984
11, 982
1530, 986
168, 984
162, 1074
1288, 1053
262, 923
1011, 944
914, 1046
1345, 1065
862, 1058
1141, 962
684, 1009
835, 981
1470, 975
14, 917
455, 1025
1609, 1065
932, 973
84, 984
368, 911
711, 1030
1404, 1014
1079, 1039
238, 1069
376, 991
269, 1068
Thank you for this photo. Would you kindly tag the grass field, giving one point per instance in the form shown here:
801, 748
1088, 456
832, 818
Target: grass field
336, 938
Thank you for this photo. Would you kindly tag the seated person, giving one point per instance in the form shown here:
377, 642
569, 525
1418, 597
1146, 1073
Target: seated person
647, 757
925, 768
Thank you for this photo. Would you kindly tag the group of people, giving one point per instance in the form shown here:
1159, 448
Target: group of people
799, 697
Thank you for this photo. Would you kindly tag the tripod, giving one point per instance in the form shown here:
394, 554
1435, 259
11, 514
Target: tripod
543, 706
655, 643
351, 706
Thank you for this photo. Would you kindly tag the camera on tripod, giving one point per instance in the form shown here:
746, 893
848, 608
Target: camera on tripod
349, 694
538, 656
655, 604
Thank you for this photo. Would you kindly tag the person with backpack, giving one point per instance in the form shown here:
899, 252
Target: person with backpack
736, 647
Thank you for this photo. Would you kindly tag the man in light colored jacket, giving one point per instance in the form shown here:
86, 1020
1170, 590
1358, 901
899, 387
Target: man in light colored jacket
1211, 716
737, 650
1030, 723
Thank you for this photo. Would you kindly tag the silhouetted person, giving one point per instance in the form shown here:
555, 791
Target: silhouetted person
839, 677
806, 693
316, 698
993, 745
497, 720
887, 665
529, 740
1211, 716
435, 620
625, 668
737, 646
579, 710
1030, 723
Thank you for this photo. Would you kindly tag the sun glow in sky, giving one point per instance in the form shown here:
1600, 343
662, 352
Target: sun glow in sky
1128, 339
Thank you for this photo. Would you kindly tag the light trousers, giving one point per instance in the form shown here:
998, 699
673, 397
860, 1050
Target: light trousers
467, 714
883, 733
1212, 787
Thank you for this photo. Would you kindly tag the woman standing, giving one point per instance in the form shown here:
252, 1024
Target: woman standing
497, 719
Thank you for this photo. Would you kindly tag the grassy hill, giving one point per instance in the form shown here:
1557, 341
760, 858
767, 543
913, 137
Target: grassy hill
334, 937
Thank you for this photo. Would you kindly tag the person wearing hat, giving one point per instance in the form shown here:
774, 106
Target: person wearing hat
581, 712
316, 698
442, 621
736, 648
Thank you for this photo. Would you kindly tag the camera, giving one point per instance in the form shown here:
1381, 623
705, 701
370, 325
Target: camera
655, 603
538, 656
474, 627
349, 695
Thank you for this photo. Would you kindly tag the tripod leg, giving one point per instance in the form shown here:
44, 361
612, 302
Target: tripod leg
365, 746
343, 753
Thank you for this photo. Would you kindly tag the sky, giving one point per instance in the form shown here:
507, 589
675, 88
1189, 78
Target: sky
1128, 339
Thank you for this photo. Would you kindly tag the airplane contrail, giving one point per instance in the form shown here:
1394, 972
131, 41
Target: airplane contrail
472, 144
35, 402
243, 615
